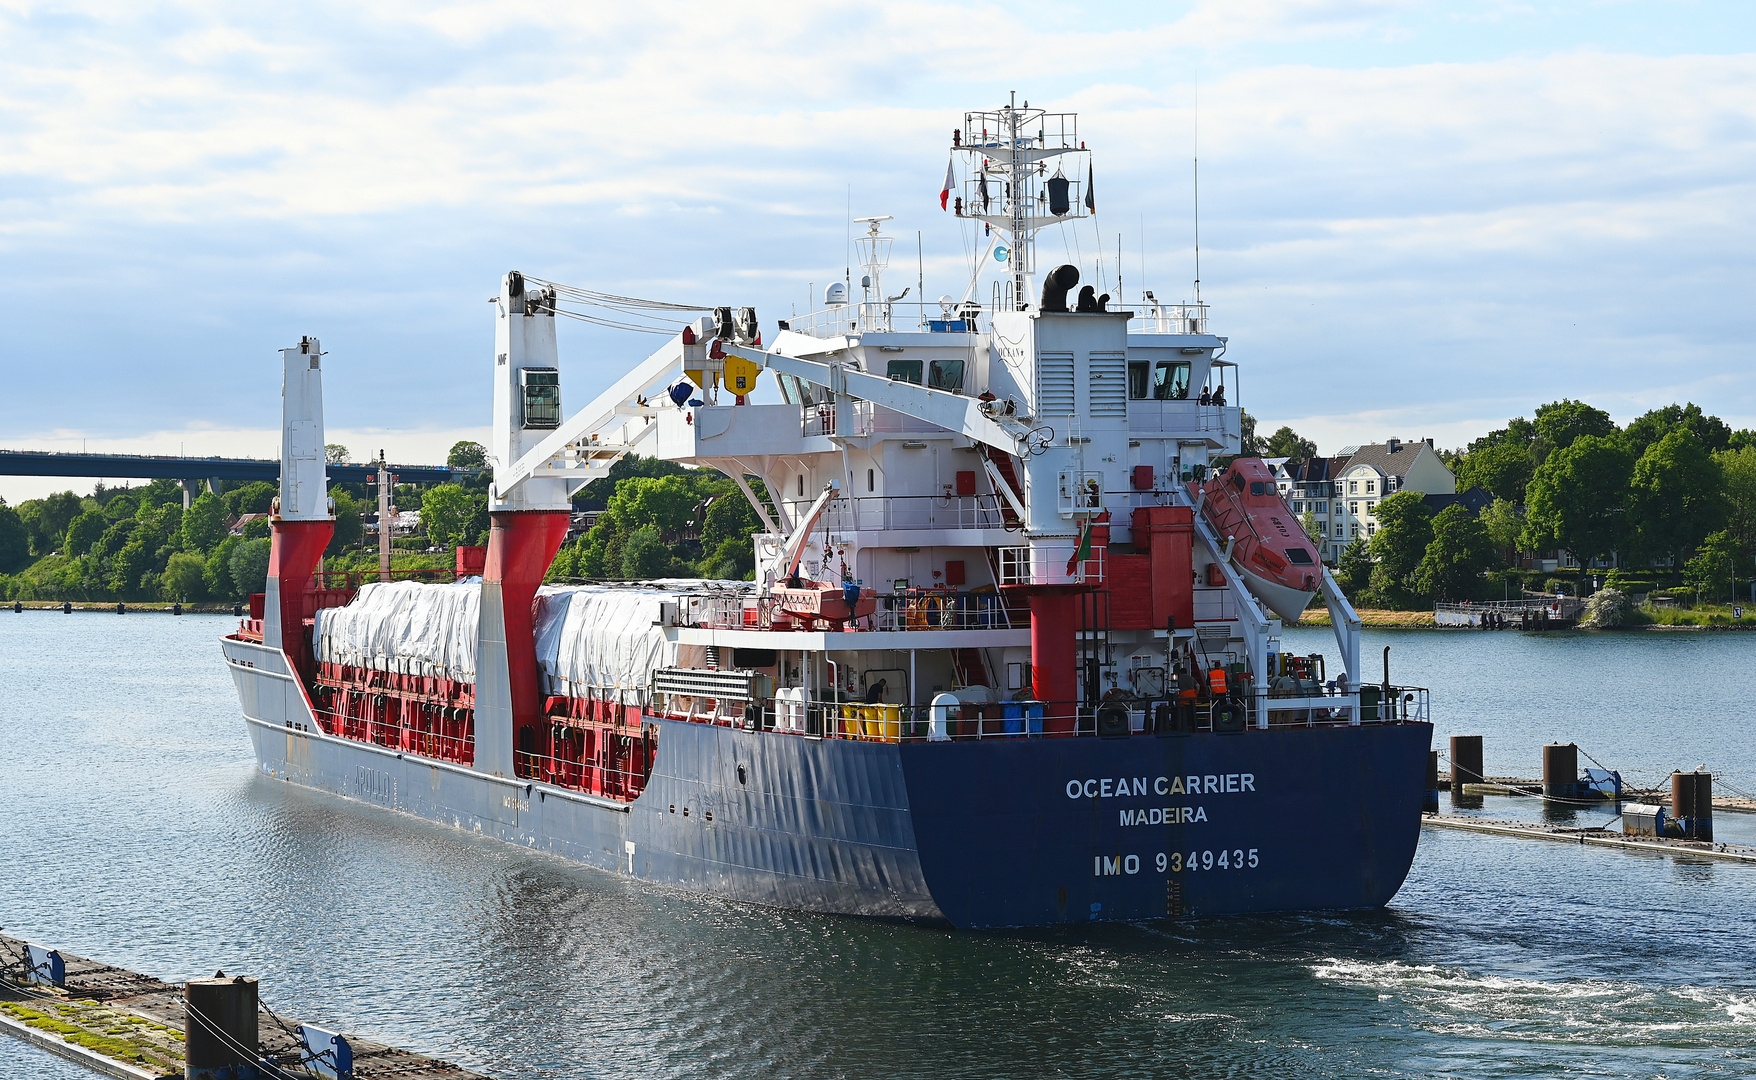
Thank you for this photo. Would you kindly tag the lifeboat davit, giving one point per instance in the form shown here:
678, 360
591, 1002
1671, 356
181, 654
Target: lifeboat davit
1270, 549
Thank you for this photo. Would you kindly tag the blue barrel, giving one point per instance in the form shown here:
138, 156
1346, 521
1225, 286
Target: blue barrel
1012, 713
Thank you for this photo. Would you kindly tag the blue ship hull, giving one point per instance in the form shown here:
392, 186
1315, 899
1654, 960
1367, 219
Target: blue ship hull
993, 833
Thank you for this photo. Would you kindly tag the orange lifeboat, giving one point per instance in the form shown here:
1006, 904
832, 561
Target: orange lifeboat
1270, 550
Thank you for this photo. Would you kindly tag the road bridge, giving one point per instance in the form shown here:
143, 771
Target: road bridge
192, 470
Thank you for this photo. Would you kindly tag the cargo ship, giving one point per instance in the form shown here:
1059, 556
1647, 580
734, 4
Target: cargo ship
1012, 654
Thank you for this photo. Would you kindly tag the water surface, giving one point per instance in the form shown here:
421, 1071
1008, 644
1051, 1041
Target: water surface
134, 828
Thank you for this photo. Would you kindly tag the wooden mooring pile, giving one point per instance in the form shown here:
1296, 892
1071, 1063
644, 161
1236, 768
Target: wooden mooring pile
1677, 821
124, 1024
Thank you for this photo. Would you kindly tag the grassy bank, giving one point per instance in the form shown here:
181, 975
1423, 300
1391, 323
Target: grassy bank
1404, 619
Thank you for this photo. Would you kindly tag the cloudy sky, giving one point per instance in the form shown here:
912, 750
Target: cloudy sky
1417, 218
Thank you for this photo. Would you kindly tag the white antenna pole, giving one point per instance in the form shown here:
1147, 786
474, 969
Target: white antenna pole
1195, 145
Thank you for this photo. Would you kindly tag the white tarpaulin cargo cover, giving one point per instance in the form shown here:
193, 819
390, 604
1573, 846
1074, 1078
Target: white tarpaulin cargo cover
603, 636
406, 626
586, 635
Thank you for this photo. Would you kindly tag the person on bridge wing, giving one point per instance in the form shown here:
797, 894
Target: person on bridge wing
875, 693
1206, 396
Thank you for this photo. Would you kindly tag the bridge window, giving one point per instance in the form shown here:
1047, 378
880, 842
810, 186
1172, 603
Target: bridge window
904, 371
1171, 380
1139, 379
943, 375
542, 397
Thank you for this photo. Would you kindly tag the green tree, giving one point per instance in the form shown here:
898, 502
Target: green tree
1738, 468
1559, 423
114, 538
645, 555
336, 454
1313, 528
218, 571
162, 491
255, 497
1461, 551
131, 563
449, 513
665, 503
1709, 572
47, 519
1502, 469
729, 518
1405, 529
1287, 443
1353, 571
467, 455
1504, 523
348, 526
596, 495
733, 560
1650, 427
205, 523
14, 539
184, 577
1678, 496
249, 566
1578, 499
83, 531
257, 529
121, 506
1248, 444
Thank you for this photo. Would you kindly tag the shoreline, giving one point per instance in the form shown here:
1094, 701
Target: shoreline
1423, 620
154, 607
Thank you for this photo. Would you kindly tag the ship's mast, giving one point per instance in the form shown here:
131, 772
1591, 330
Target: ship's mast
1009, 148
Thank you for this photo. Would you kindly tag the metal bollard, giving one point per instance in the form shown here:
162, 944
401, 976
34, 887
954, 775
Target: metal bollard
220, 1037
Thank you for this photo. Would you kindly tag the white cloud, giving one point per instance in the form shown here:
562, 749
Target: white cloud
186, 186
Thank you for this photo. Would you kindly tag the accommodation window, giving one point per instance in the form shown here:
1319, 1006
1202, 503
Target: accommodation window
801, 485
871, 480
908, 371
943, 375
1171, 380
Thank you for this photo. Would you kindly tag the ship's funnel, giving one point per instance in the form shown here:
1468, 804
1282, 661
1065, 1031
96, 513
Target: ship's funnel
1057, 285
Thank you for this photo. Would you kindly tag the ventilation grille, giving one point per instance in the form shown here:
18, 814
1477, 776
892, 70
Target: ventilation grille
1109, 385
1055, 384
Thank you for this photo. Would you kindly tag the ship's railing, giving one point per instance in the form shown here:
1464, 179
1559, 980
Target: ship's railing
913, 609
389, 719
885, 512
1116, 718
350, 580
1149, 415
1170, 319
1312, 706
613, 781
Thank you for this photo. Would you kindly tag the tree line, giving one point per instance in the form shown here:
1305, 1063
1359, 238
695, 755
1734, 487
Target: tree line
1670, 497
